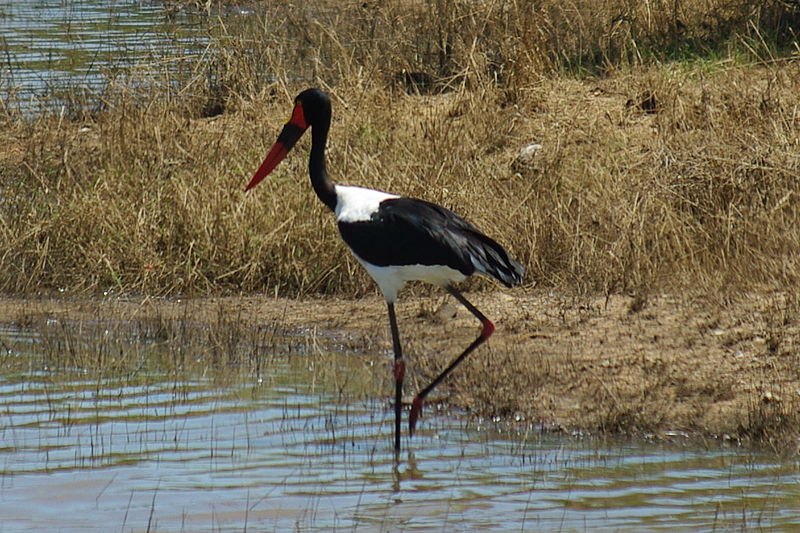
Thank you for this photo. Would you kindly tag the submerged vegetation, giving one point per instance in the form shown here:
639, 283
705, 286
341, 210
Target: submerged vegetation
146, 340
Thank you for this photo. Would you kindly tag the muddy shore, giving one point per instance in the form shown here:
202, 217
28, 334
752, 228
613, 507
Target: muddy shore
645, 366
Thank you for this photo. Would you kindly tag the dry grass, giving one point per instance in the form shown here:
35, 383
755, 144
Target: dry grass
652, 175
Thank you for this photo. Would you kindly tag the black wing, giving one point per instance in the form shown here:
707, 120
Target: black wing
407, 231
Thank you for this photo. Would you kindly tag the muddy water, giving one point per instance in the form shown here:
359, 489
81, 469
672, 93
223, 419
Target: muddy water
276, 450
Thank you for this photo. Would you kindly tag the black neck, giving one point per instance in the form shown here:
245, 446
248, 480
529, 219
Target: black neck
316, 165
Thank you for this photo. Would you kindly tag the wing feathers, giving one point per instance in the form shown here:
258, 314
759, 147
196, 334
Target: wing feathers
407, 231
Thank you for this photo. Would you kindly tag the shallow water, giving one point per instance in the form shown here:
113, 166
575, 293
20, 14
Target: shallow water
278, 451
52, 48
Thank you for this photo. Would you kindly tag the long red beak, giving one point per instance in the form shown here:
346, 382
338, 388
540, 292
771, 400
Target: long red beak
291, 132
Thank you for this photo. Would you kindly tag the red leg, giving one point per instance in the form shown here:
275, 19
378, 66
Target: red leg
486, 332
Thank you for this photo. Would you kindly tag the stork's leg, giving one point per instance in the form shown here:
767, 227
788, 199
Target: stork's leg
486, 332
399, 374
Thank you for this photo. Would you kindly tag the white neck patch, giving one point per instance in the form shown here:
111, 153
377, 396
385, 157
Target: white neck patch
357, 204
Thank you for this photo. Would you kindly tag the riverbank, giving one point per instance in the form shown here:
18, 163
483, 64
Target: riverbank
647, 367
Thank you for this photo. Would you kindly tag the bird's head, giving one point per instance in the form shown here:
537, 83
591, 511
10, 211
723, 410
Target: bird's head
312, 107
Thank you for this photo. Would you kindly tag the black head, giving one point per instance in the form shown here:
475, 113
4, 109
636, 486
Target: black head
316, 106
312, 108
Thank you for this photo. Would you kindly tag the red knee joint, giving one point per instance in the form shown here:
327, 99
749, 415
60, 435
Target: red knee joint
399, 370
488, 329
416, 411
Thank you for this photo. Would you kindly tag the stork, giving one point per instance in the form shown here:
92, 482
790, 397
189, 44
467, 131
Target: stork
397, 239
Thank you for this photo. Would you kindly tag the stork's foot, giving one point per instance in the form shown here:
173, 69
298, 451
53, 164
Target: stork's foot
416, 411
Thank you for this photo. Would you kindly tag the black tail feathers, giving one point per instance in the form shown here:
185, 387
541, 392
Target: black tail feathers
490, 258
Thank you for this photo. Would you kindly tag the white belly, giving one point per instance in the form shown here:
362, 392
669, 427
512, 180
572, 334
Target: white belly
391, 279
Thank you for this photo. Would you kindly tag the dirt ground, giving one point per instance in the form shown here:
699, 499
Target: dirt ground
658, 366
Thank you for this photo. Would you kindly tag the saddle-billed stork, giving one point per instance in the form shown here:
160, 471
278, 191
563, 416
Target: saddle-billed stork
397, 239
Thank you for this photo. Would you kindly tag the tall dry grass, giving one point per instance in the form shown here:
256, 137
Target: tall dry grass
669, 134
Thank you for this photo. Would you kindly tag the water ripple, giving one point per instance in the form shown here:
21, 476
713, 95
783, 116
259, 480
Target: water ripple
172, 453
